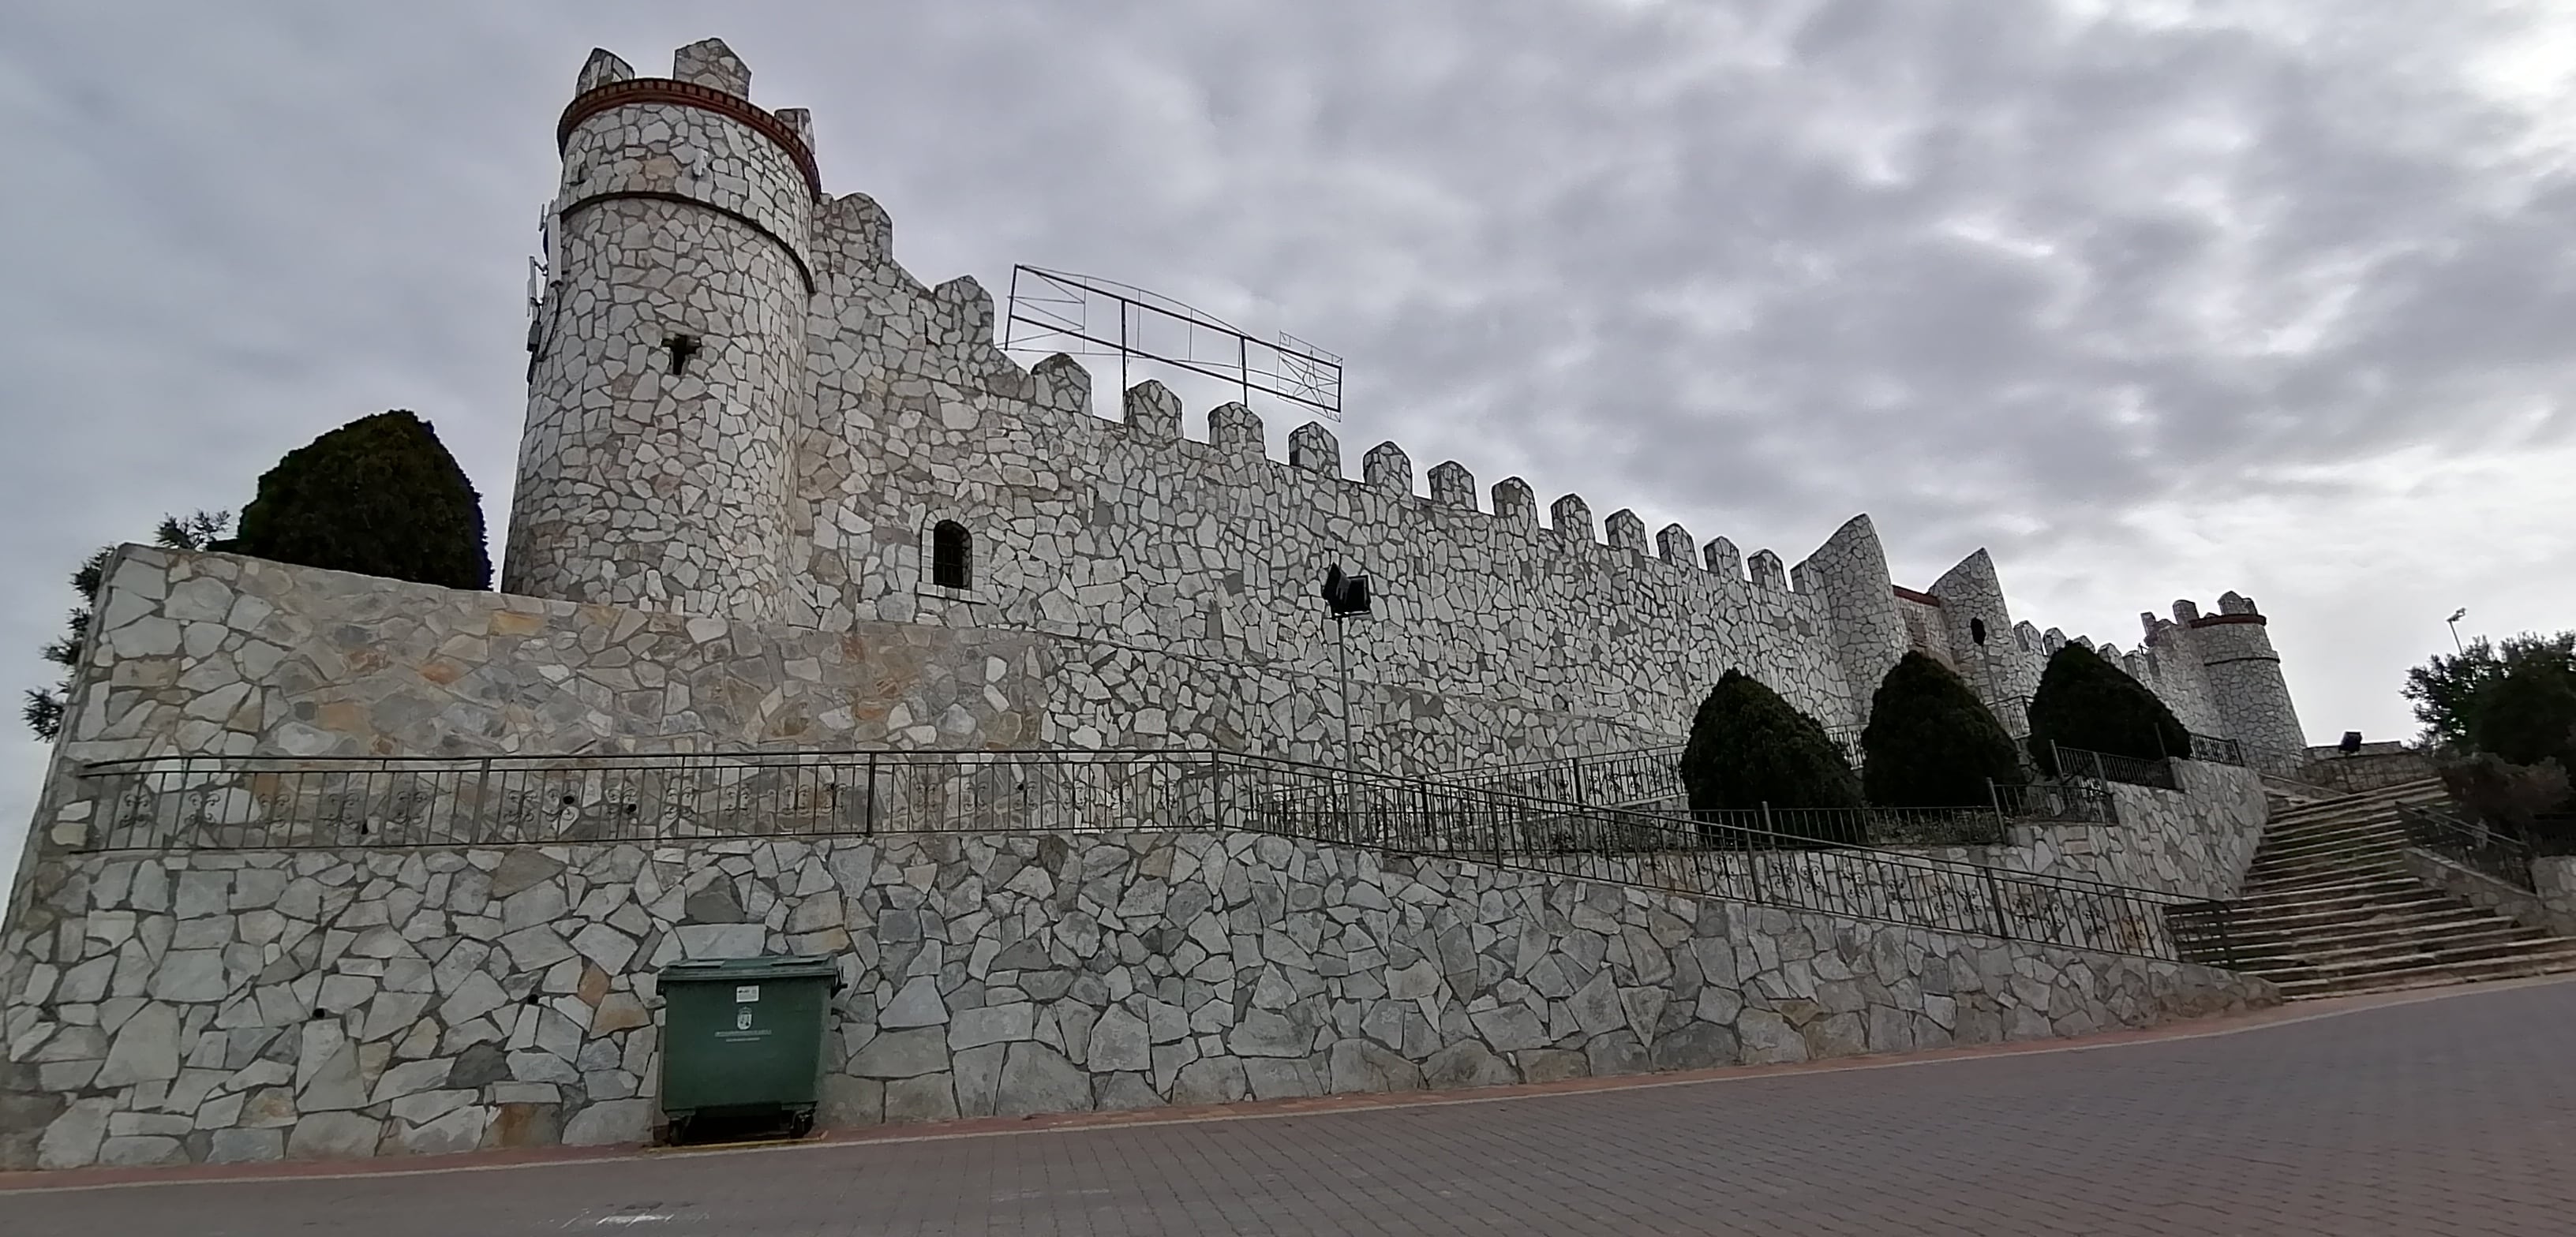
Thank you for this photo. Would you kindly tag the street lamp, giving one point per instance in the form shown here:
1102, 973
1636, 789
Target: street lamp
1346, 597
2456, 616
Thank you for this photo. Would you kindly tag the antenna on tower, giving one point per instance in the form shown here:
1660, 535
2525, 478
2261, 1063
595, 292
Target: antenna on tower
539, 284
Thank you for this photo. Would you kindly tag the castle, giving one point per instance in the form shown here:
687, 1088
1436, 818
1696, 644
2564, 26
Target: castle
739, 405
335, 865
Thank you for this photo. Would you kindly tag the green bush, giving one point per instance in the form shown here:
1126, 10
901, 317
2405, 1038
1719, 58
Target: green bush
2527, 714
1748, 747
2085, 702
1931, 742
2505, 795
379, 496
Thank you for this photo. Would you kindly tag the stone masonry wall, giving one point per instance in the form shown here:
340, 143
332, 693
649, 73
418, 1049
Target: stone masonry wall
215, 655
2550, 905
252, 1006
2198, 841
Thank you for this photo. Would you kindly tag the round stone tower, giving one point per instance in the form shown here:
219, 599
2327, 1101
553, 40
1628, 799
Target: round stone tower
667, 359
2245, 682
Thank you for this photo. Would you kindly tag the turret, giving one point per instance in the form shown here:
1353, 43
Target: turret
2244, 676
667, 363
1849, 574
1982, 639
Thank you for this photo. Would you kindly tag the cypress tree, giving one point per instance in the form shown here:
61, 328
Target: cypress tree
1749, 747
1930, 742
379, 496
2085, 702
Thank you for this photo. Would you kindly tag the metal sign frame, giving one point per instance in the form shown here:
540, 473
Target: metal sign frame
1056, 311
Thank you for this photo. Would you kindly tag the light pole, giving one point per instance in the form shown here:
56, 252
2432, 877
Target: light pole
1346, 597
2456, 616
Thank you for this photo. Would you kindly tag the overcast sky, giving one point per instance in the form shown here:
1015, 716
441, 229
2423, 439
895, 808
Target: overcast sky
2153, 299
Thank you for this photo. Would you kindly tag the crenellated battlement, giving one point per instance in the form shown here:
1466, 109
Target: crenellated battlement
789, 416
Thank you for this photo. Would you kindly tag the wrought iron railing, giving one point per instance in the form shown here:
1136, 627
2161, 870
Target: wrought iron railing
1619, 779
2214, 750
2057, 800
1743, 856
2076, 762
286, 803
2469, 843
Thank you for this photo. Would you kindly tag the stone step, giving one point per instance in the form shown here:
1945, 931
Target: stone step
2306, 857
2345, 811
2324, 931
2429, 955
2277, 841
2506, 938
2321, 871
2345, 872
2278, 832
2345, 892
2325, 912
2433, 975
2420, 923
2378, 897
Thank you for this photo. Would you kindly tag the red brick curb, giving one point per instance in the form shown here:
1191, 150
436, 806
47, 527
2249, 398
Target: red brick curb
987, 1127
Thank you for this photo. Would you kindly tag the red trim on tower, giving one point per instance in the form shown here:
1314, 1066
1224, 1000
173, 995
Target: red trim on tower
2213, 620
689, 94
1920, 599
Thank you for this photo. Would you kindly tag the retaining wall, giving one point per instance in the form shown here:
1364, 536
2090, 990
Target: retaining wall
250, 1006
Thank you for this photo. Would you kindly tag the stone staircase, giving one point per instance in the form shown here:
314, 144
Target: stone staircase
2329, 910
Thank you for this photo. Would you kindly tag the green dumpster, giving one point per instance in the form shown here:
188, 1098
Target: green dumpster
742, 1040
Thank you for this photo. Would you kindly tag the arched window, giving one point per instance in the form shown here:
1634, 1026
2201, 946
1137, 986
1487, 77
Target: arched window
952, 555
1977, 630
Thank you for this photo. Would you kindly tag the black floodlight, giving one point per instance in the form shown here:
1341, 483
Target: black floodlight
2351, 742
1346, 594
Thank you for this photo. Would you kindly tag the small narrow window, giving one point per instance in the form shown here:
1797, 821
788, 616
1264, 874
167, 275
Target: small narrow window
682, 348
1977, 630
952, 555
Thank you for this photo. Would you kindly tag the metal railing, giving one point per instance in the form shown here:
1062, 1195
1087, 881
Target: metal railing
2057, 800
2214, 750
1622, 778
2471, 844
286, 803
1748, 856
2076, 762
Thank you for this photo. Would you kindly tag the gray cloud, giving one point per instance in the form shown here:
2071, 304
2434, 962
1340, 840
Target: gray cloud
2093, 290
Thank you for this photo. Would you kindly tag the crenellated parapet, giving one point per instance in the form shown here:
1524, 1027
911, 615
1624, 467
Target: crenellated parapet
1387, 468
1452, 486
1153, 412
1723, 559
741, 404
1312, 448
1571, 518
1673, 545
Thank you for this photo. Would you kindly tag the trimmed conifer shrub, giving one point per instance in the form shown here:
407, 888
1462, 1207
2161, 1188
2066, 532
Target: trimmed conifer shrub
1749, 747
379, 496
2085, 702
1930, 742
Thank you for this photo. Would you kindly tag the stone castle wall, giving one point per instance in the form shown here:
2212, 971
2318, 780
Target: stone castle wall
251, 1006
1190, 564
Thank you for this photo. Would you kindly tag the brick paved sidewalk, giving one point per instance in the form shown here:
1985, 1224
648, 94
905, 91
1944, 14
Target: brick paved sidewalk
2426, 1116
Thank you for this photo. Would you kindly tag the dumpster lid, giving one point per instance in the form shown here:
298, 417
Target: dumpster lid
746, 970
